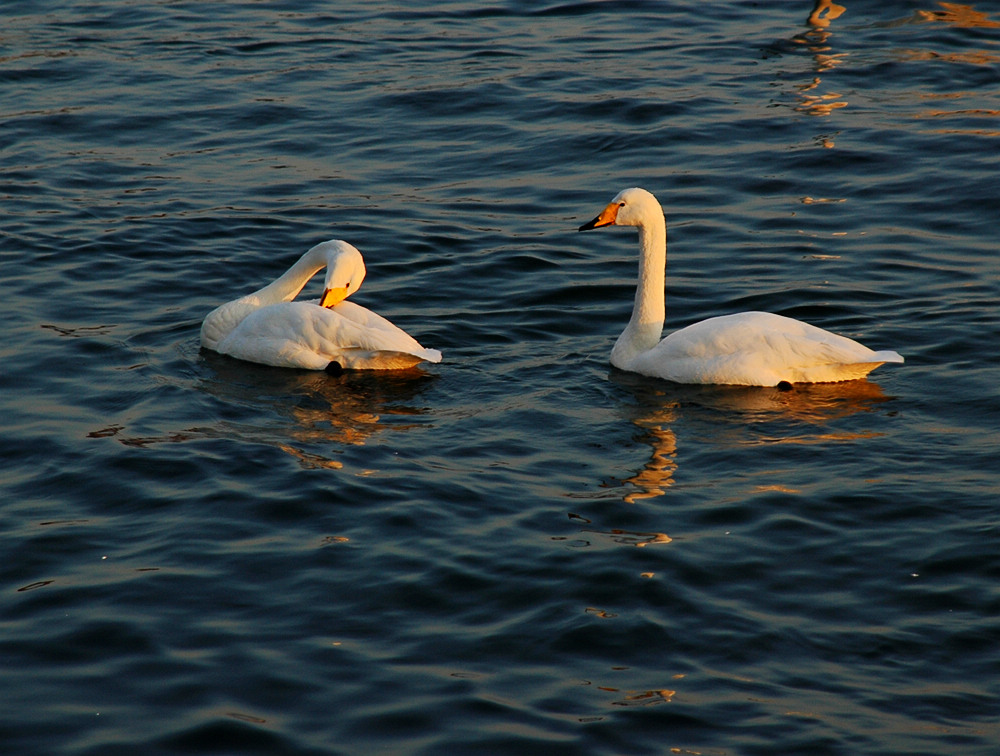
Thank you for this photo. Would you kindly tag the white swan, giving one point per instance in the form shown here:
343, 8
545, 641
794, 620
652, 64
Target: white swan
330, 334
749, 348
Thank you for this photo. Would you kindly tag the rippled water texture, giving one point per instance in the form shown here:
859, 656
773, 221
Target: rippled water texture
520, 550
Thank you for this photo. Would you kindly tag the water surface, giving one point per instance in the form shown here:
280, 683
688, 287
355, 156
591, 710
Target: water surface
520, 550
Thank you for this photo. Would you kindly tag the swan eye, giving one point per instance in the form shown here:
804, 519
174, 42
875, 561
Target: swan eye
621, 204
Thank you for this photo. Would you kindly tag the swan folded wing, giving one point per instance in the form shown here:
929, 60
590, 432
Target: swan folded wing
386, 335
221, 321
304, 335
759, 348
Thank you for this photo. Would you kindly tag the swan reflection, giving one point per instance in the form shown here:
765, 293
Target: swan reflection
324, 410
801, 415
816, 40
309, 415
657, 474
959, 14
823, 13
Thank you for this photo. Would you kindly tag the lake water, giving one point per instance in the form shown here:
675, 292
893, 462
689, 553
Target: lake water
519, 550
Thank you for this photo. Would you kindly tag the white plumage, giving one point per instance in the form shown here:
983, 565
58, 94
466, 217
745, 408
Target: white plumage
268, 327
749, 348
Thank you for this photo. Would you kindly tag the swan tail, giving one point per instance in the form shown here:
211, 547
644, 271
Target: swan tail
887, 355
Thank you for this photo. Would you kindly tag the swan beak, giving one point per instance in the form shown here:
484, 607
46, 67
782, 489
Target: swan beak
333, 296
606, 218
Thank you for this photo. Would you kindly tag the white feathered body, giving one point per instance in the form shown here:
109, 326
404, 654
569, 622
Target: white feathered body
269, 328
756, 349
305, 335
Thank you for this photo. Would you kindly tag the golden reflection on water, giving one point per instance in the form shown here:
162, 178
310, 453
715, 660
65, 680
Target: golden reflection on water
658, 473
824, 12
638, 697
819, 104
975, 58
801, 415
309, 415
812, 101
965, 113
329, 412
960, 15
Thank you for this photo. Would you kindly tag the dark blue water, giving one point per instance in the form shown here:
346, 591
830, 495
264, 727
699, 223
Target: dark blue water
520, 550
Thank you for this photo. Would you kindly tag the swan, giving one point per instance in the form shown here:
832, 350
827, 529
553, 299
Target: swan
748, 348
329, 334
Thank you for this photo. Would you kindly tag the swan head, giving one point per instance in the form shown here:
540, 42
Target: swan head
345, 270
630, 207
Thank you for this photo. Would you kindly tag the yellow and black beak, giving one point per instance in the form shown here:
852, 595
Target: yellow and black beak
333, 296
606, 218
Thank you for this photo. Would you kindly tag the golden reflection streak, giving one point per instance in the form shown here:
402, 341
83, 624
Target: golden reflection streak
939, 113
816, 39
602, 613
824, 12
657, 474
968, 132
962, 113
639, 697
646, 697
975, 58
960, 15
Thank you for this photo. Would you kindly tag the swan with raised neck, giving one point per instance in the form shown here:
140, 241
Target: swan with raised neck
748, 348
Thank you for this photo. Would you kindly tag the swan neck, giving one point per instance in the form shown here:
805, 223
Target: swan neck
288, 285
644, 328
649, 309
224, 319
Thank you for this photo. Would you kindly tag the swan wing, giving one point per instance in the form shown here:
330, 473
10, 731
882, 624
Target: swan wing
221, 321
305, 335
758, 348
380, 344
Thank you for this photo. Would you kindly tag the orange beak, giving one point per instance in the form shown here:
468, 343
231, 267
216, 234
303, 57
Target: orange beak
606, 218
333, 297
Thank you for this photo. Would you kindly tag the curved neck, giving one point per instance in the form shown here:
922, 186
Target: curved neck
288, 285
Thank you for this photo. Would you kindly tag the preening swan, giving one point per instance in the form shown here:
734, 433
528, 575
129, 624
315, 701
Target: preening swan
749, 348
330, 334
